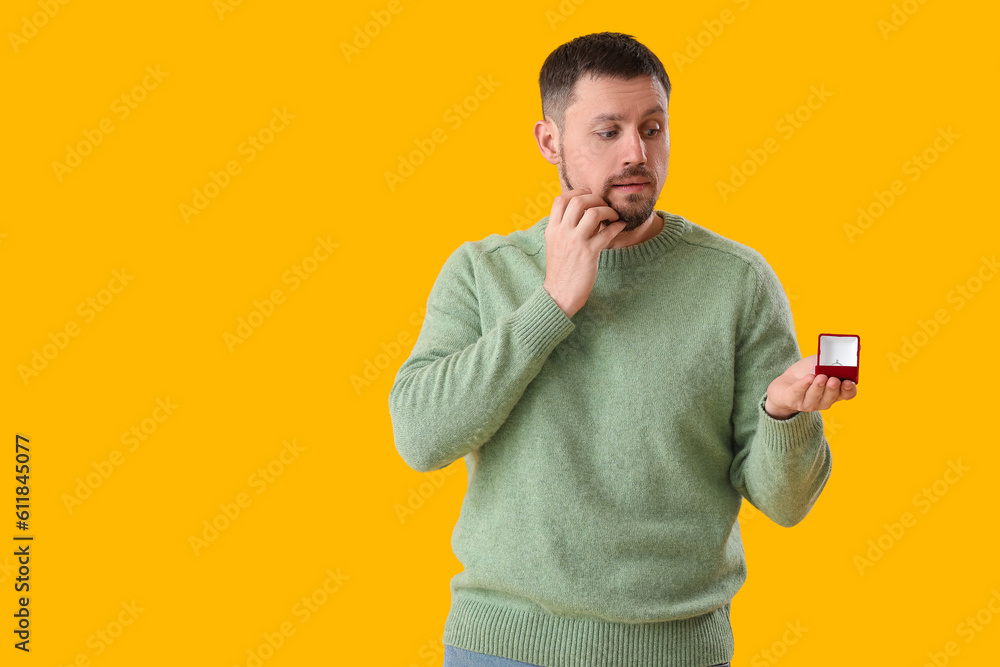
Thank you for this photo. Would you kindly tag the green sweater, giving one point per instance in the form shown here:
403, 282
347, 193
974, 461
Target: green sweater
607, 453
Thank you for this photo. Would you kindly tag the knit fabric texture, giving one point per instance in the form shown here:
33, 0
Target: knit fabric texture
607, 453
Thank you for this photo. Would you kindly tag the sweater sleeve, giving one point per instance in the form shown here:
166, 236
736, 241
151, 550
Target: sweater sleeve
780, 466
459, 383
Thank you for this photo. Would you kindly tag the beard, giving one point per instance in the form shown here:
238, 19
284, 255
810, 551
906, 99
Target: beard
635, 208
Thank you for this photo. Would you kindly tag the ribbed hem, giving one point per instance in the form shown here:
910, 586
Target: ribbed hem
540, 324
540, 638
674, 226
783, 435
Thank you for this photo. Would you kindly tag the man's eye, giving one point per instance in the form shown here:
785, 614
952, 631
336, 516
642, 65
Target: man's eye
608, 134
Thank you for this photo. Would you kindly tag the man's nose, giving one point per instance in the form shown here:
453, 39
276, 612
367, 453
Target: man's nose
634, 149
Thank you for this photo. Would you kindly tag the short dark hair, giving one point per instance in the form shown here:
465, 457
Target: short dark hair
611, 54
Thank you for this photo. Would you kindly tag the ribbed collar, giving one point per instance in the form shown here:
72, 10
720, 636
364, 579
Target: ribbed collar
611, 259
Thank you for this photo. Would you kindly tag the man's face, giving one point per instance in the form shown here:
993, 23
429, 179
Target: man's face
616, 133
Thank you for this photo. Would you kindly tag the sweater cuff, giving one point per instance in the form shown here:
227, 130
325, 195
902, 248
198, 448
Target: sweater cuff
540, 324
783, 435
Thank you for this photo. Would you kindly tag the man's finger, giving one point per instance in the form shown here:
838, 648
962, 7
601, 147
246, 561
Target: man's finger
848, 390
561, 202
578, 207
796, 392
609, 232
590, 222
814, 394
832, 393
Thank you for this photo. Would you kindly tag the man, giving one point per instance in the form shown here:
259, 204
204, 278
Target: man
617, 378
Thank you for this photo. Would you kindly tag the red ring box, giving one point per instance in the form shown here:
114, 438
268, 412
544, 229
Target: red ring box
839, 356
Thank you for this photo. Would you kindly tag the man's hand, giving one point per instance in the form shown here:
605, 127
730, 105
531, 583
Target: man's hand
798, 389
574, 239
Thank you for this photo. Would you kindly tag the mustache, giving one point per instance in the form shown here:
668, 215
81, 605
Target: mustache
629, 174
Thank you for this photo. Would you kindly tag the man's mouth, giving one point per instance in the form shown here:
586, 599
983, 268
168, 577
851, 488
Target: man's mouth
631, 186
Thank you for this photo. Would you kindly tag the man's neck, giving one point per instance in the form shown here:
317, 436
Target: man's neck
644, 232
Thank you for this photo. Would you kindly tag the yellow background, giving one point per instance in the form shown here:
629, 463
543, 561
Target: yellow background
301, 374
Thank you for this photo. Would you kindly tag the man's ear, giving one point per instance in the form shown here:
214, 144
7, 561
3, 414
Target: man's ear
547, 136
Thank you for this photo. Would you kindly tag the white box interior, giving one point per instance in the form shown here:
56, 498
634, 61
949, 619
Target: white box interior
838, 351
